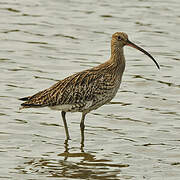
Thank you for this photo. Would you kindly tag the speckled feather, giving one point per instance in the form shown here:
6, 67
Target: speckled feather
97, 85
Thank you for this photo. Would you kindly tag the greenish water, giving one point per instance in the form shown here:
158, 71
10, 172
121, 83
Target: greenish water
137, 136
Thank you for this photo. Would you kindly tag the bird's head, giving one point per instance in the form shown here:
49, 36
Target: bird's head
120, 39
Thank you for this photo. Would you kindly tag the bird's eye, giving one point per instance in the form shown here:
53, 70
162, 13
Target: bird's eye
119, 38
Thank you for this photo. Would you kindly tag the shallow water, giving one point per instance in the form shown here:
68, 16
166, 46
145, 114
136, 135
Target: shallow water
137, 136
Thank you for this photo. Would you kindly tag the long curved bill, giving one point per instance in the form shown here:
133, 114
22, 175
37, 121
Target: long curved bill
129, 43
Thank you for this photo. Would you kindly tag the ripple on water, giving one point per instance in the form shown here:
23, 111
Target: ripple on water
136, 136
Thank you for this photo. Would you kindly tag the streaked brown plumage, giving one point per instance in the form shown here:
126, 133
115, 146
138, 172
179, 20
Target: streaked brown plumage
87, 90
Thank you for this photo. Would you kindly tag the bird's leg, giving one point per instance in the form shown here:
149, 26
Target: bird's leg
66, 151
63, 113
82, 126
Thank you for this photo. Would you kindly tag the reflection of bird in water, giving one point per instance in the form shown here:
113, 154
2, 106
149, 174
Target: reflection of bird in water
88, 159
83, 154
87, 90
74, 165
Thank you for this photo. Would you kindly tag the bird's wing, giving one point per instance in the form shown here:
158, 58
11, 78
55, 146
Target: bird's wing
78, 88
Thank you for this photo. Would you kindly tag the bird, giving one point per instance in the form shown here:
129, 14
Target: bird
89, 89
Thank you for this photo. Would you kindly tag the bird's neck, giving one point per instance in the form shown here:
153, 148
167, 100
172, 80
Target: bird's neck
117, 58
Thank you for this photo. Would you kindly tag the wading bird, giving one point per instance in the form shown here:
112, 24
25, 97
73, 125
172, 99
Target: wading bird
89, 89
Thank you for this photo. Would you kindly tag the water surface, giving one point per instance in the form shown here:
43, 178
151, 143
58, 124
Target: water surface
137, 136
